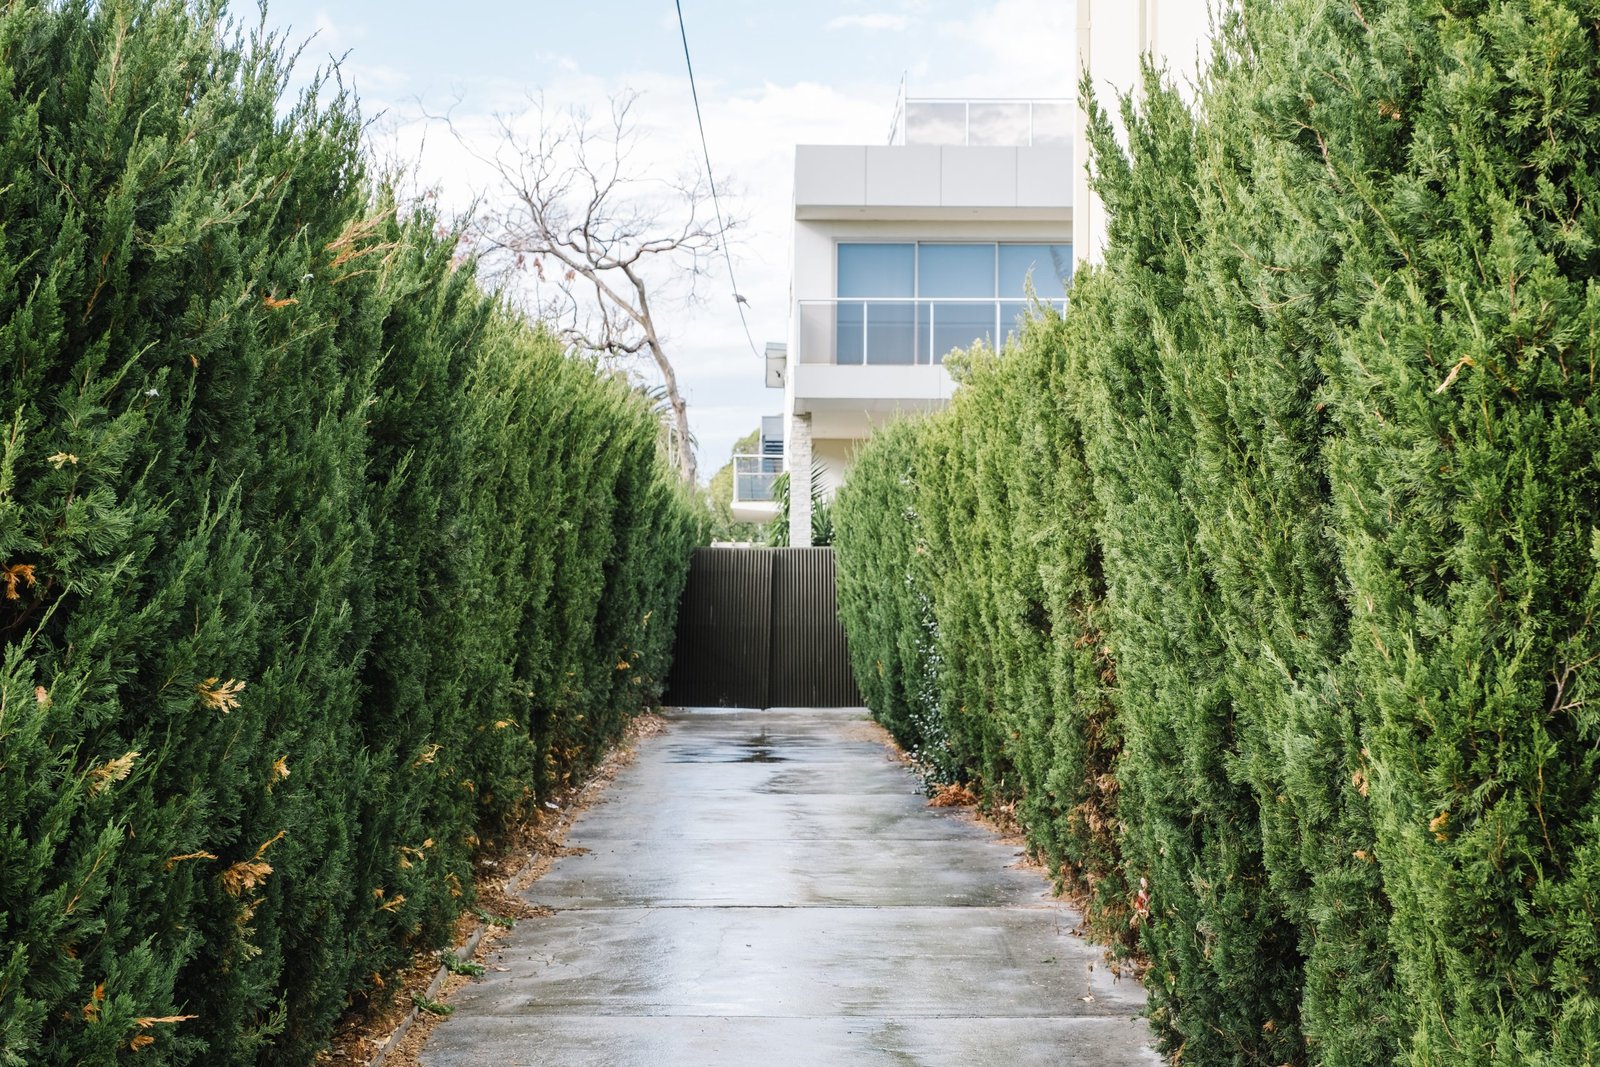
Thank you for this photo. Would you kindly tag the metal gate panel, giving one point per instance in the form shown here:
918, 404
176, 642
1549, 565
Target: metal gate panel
759, 627
724, 630
810, 662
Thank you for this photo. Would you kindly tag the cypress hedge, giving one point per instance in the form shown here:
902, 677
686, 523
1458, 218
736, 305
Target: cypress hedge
1463, 473
1224, 961
318, 565
969, 585
1331, 395
884, 602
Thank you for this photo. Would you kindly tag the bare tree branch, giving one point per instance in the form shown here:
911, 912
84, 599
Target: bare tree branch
604, 239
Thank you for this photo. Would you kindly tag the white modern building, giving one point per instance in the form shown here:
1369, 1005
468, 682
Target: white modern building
905, 251
901, 253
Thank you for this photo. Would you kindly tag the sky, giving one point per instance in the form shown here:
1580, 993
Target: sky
770, 75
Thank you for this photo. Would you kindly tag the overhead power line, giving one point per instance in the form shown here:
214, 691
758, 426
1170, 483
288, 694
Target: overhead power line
739, 301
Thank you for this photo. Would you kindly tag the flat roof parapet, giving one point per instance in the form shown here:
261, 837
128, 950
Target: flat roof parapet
933, 181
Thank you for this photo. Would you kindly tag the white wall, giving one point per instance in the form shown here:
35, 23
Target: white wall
1112, 36
831, 180
836, 457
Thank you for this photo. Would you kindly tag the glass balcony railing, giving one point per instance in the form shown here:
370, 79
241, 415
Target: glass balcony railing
903, 333
1012, 123
753, 478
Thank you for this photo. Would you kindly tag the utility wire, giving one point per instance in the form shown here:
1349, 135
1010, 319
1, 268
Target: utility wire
739, 302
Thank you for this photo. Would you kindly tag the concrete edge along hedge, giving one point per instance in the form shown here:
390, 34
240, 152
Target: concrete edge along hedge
316, 562
1264, 582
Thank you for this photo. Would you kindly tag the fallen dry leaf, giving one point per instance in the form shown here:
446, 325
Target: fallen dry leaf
954, 795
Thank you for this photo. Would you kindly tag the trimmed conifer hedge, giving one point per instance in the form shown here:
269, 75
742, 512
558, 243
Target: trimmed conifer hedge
316, 562
969, 585
1331, 395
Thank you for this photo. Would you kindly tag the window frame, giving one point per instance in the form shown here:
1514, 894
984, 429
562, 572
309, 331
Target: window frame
998, 301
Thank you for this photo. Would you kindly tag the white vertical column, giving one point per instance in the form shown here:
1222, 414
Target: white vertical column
798, 459
1112, 37
1088, 219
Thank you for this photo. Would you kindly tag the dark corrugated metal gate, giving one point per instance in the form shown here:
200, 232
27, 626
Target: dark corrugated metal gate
759, 628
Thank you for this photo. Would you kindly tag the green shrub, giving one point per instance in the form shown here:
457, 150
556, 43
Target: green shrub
1461, 382
969, 585
1333, 386
1224, 975
310, 551
884, 604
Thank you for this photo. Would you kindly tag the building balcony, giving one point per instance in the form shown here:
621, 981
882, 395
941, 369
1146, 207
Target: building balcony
897, 332
754, 487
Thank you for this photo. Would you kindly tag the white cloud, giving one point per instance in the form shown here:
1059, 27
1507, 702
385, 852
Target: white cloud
1027, 43
325, 28
373, 82
336, 37
873, 23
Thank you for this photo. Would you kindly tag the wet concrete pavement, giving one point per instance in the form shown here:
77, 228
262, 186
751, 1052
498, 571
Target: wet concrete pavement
769, 888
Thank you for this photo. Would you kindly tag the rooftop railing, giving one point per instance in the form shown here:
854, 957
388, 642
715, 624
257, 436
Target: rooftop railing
896, 332
1010, 123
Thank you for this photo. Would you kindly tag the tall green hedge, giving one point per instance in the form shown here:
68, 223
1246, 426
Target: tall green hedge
1225, 964
969, 584
317, 564
1332, 391
1464, 478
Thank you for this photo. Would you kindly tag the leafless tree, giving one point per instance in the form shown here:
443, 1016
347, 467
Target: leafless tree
605, 242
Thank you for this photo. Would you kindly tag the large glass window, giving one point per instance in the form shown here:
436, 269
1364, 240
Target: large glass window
877, 270
891, 334
948, 325
877, 327
955, 270
905, 303
850, 333
1050, 266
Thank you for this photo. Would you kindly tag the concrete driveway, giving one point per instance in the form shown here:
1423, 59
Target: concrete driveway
769, 888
